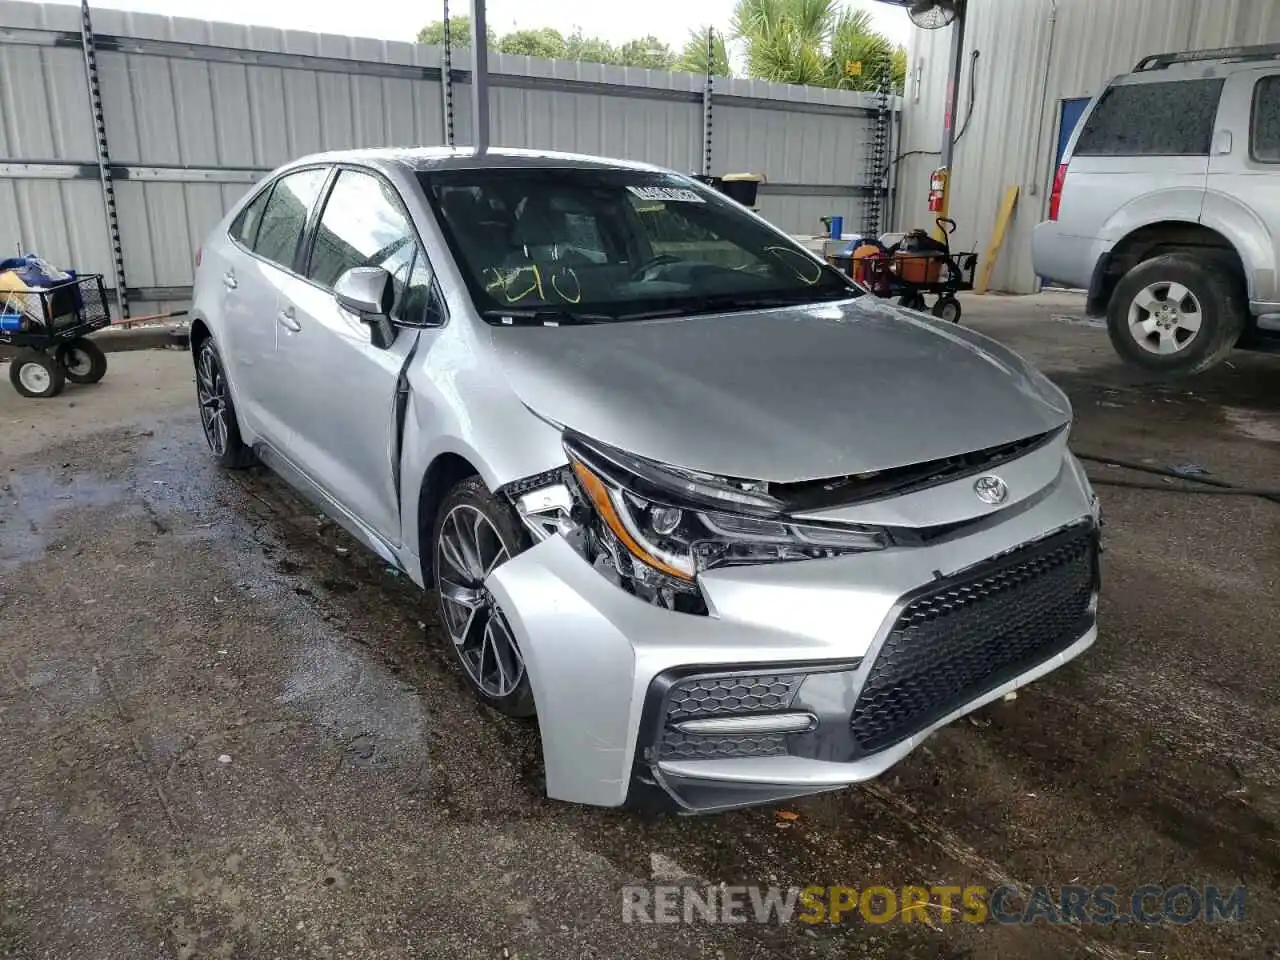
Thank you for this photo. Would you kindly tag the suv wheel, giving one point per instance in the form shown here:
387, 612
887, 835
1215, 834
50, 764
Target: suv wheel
1175, 313
473, 535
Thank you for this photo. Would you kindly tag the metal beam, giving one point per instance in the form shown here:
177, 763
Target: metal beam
956, 61
479, 77
88, 170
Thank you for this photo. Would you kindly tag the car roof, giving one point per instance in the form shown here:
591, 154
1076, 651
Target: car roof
422, 159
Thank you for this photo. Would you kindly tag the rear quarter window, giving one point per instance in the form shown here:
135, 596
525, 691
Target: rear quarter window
1264, 140
1167, 119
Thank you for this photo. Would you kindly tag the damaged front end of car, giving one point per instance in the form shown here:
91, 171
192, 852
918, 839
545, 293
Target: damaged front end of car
652, 529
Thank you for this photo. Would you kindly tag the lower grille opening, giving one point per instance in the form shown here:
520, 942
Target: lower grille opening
968, 634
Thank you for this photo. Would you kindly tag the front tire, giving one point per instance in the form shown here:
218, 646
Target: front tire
36, 375
474, 533
217, 412
1177, 314
82, 360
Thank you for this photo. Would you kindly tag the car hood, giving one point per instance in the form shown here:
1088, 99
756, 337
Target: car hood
782, 395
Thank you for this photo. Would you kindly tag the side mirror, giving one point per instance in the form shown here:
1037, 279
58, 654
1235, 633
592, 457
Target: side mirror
366, 291
370, 294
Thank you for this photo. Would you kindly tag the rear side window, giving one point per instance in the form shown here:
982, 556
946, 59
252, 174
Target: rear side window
1264, 138
1169, 119
245, 228
286, 214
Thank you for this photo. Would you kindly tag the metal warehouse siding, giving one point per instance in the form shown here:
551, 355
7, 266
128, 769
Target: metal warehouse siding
192, 128
1012, 135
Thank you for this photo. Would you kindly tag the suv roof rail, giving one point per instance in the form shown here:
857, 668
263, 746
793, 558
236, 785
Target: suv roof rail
1158, 61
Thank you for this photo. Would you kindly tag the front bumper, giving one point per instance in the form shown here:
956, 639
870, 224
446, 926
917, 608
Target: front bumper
840, 639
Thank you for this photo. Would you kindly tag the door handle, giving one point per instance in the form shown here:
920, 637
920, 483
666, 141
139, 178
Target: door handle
287, 320
229, 280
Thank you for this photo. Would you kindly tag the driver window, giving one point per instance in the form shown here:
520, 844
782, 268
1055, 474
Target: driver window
363, 225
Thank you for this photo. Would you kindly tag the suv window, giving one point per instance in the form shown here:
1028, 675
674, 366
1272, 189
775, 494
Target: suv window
245, 228
286, 214
1169, 119
1264, 138
364, 225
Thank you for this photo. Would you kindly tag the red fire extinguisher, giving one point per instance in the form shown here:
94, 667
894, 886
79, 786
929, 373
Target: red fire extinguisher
938, 191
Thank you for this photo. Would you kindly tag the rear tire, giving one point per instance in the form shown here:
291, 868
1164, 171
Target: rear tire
1177, 314
36, 375
82, 360
217, 412
473, 534
948, 309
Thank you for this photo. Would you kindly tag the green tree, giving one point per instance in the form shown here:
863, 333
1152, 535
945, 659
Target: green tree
589, 49
546, 42
899, 68
648, 52
812, 42
459, 32
693, 57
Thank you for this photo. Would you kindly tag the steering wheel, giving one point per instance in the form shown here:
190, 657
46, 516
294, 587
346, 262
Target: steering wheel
655, 261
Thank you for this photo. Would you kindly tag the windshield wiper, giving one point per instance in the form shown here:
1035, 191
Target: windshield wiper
545, 316
730, 303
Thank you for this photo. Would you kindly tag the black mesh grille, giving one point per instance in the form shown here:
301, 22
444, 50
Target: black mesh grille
688, 746
973, 632
726, 696
719, 696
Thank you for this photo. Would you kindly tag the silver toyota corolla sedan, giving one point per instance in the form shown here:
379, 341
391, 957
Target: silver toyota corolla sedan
731, 531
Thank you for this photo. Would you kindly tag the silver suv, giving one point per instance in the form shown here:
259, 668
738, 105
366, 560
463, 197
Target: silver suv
731, 532
1166, 204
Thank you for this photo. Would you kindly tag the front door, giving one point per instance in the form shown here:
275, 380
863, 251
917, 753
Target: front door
1243, 199
343, 410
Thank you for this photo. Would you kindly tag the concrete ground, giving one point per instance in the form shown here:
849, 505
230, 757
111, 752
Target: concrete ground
225, 731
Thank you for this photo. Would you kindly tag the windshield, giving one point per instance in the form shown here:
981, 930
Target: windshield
597, 245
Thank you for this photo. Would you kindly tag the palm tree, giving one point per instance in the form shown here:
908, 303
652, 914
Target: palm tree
813, 42
693, 57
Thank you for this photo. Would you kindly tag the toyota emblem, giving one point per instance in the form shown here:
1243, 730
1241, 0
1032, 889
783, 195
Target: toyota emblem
991, 490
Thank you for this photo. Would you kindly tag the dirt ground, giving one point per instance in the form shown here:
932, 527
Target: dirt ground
225, 731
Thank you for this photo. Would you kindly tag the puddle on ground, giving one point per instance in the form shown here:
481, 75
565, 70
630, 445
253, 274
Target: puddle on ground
31, 505
1253, 423
362, 701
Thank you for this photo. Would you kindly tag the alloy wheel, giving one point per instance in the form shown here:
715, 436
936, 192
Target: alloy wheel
1165, 318
211, 392
468, 550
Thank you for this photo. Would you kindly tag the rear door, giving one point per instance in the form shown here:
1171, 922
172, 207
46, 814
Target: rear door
1141, 155
343, 408
265, 256
1243, 200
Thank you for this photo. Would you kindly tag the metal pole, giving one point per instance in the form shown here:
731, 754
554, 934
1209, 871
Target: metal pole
953, 87
446, 76
479, 77
104, 159
707, 92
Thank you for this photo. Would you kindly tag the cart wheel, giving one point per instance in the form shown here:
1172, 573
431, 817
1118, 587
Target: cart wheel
912, 301
83, 361
948, 309
36, 375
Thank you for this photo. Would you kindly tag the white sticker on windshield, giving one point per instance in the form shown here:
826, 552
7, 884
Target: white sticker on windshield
668, 194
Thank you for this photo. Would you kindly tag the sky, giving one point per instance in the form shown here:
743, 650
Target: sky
669, 20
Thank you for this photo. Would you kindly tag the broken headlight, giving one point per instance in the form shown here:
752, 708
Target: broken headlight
656, 527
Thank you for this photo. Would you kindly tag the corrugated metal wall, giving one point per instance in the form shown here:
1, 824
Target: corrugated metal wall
197, 111
1012, 134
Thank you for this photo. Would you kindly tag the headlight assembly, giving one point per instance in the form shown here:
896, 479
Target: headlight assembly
657, 528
